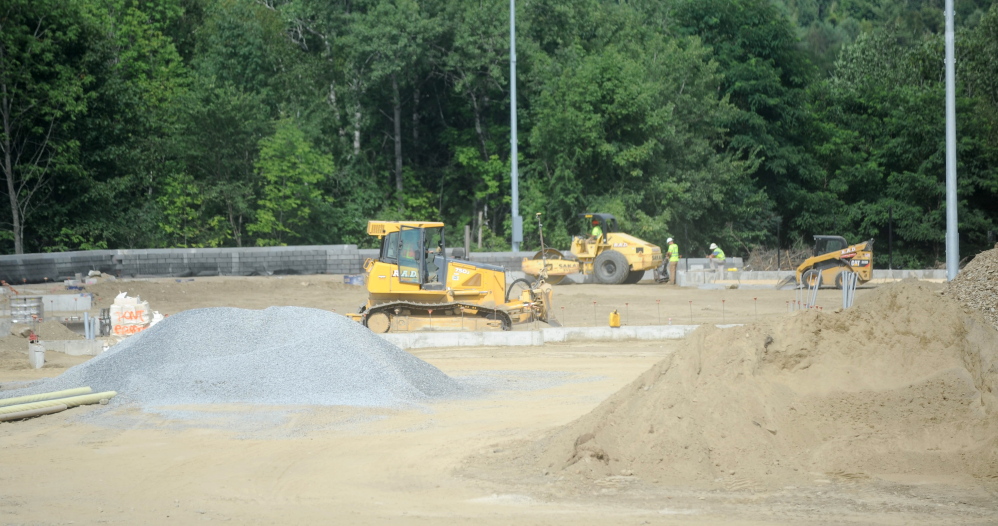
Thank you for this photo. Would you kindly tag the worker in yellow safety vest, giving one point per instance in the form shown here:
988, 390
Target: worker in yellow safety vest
597, 233
673, 260
716, 257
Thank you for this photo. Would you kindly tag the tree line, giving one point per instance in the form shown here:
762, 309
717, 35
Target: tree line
749, 123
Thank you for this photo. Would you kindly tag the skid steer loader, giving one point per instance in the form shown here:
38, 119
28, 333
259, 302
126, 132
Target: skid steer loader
831, 257
613, 258
413, 286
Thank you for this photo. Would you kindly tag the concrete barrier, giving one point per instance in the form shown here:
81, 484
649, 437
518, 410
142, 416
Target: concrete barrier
74, 347
423, 340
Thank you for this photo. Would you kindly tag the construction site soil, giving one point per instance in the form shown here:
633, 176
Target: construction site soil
883, 413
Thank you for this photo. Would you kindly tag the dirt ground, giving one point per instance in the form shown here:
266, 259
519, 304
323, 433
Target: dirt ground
422, 466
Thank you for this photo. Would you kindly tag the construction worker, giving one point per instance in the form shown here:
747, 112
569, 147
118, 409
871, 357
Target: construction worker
673, 260
716, 257
597, 233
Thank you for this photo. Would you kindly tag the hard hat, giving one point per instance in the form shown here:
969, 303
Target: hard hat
595, 221
713, 246
668, 240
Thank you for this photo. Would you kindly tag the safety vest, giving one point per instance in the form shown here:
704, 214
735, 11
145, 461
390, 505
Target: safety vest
718, 254
597, 232
673, 252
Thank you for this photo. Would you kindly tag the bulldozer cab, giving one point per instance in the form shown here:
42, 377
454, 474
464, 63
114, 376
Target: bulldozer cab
418, 252
826, 244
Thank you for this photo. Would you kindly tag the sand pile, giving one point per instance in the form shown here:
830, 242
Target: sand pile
281, 355
902, 384
976, 286
48, 330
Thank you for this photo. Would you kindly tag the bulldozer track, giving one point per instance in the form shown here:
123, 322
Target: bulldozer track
426, 308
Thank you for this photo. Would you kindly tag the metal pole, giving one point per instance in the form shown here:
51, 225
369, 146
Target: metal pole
890, 238
467, 242
514, 174
779, 267
952, 235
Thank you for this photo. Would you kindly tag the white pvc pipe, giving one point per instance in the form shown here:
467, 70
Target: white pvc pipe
20, 415
45, 396
72, 401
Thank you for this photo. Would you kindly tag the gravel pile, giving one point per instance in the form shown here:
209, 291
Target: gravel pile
976, 286
281, 355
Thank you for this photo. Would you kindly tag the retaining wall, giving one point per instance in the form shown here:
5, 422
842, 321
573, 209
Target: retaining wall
190, 262
314, 259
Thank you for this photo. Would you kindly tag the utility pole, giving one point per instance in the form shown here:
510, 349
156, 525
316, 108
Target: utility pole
952, 234
514, 175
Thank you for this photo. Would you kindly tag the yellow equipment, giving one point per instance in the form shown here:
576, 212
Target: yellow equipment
613, 258
413, 285
833, 256
615, 319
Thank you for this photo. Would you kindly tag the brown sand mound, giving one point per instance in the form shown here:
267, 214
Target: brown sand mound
976, 286
47, 330
902, 384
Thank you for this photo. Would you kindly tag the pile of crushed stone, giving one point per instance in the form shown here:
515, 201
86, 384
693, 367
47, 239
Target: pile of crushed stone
976, 286
281, 355
904, 383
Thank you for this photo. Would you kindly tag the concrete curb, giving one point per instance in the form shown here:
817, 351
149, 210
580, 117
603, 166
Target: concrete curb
424, 340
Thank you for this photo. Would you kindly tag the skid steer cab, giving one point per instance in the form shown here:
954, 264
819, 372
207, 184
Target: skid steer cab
414, 286
831, 257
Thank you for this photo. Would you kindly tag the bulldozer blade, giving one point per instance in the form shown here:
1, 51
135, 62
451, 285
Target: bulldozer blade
787, 281
545, 294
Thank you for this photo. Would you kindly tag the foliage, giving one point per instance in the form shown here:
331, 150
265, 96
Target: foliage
749, 123
290, 169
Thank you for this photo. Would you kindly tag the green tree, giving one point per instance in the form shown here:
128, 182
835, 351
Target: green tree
291, 171
184, 221
45, 47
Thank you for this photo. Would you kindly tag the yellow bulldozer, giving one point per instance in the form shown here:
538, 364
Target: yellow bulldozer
611, 257
831, 257
413, 286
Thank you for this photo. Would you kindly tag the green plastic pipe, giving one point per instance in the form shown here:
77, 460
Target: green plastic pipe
20, 415
45, 396
72, 401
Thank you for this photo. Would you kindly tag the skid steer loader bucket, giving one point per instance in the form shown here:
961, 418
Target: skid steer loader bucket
787, 282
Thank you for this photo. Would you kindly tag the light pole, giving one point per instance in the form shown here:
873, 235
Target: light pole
514, 175
952, 234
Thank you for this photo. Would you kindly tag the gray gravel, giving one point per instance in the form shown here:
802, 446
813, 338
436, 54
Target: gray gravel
976, 286
281, 355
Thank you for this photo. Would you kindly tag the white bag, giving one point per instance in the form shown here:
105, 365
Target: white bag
129, 315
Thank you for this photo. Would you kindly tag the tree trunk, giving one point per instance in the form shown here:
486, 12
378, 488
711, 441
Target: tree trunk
415, 120
397, 107
478, 126
356, 130
8, 172
235, 221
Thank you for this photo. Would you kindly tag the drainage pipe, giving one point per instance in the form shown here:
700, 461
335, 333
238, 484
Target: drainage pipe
20, 415
72, 401
45, 396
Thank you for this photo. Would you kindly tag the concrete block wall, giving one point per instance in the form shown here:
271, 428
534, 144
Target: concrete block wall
190, 262
314, 259
322, 259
